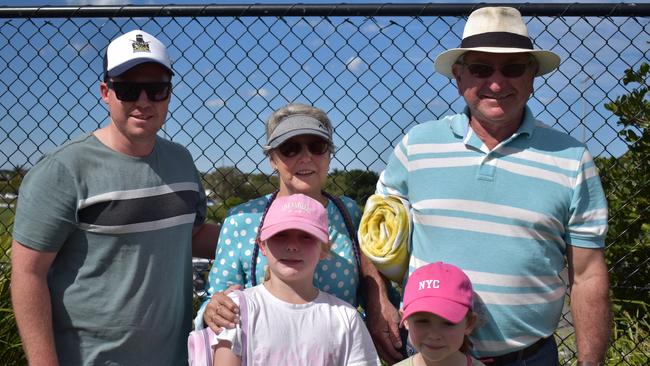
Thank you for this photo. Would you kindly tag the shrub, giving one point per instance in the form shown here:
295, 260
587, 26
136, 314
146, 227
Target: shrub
630, 344
11, 351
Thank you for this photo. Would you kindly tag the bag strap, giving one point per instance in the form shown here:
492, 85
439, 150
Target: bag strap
349, 226
256, 248
243, 323
356, 248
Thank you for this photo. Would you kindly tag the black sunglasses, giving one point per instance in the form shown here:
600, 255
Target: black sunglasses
290, 149
130, 92
483, 71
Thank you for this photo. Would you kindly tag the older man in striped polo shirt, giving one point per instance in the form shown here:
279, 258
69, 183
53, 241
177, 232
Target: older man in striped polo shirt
508, 199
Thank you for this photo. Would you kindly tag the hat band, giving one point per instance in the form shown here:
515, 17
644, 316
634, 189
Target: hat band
497, 39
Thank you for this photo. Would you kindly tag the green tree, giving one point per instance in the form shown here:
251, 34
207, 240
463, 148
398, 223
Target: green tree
627, 183
356, 183
15, 178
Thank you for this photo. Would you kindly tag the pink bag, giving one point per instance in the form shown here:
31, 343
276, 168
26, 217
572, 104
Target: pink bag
200, 342
199, 347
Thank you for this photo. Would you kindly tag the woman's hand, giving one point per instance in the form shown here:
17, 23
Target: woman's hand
221, 311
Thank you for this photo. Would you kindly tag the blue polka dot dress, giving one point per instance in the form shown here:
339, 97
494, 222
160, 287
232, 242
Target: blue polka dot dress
337, 274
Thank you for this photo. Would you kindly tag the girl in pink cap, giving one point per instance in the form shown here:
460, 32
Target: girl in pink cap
286, 320
437, 311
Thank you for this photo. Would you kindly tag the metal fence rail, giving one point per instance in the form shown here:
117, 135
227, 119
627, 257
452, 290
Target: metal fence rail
369, 66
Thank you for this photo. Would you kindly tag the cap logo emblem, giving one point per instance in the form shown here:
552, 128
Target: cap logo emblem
139, 45
296, 207
423, 285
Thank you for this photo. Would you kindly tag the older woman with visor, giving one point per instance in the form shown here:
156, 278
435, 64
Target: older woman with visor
299, 147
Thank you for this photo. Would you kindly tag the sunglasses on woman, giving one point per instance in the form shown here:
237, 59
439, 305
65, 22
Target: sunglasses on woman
290, 149
127, 91
483, 71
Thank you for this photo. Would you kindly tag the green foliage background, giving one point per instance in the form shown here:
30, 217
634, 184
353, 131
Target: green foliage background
626, 181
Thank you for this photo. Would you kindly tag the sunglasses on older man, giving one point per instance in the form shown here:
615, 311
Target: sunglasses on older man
127, 91
483, 71
290, 149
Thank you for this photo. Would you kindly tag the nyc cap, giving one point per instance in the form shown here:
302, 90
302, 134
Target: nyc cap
299, 212
134, 48
438, 288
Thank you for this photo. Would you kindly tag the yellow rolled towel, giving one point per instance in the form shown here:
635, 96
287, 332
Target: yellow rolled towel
384, 233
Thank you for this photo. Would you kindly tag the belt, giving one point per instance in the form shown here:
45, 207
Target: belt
515, 356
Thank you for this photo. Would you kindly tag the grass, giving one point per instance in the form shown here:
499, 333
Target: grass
630, 337
630, 334
6, 220
11, 352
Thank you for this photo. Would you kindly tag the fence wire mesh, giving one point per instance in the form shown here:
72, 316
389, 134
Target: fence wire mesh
369, 67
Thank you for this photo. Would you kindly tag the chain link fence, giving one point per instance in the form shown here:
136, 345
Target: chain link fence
370, 67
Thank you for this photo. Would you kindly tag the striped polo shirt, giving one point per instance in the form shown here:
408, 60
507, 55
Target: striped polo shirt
504, 216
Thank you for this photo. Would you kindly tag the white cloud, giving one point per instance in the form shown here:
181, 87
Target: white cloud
259, 92
78, 45
354, 64
215, 103
436, 103
370, 28
98, 2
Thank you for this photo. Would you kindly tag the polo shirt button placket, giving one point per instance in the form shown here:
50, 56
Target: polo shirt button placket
487, 168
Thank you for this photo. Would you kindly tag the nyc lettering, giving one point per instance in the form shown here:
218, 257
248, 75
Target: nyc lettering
429, 284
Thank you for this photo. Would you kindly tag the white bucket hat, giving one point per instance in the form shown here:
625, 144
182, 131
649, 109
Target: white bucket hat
496, 30
134, 48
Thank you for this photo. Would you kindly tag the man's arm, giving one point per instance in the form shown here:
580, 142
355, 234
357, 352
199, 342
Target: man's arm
590, 306
382, 317
30, 297
204, 240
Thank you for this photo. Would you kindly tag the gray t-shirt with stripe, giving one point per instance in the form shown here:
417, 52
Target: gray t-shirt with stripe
121, 282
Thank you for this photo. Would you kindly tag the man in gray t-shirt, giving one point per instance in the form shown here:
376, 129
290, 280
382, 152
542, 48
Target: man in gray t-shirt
106, 226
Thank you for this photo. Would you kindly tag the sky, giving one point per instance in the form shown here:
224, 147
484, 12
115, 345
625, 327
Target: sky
374, 77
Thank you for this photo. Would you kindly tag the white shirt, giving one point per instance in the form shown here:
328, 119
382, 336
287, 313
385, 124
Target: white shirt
327, 331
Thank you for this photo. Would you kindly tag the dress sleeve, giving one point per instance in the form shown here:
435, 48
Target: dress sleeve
226, 268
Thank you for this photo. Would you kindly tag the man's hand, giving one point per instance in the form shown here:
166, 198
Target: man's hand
221, 311
382, 320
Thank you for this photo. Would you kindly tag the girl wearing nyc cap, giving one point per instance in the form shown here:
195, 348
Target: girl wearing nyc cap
437, 311
286, 320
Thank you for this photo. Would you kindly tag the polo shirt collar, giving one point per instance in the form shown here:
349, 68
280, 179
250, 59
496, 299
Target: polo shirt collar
460, 125
528, 125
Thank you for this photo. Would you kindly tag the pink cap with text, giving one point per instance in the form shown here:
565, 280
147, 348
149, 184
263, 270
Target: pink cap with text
298, 212
439, 288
